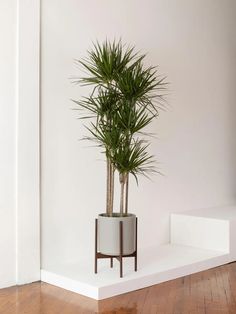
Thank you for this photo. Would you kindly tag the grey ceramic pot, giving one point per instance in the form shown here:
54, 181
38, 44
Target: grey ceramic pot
109, 234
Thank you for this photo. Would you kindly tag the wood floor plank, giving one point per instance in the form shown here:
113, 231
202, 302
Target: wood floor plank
209, 292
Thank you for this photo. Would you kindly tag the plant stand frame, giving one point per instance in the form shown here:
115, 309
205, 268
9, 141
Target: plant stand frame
119, 257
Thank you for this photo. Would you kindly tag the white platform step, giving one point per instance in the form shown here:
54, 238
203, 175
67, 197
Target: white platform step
200, 240
156, 265
213, 228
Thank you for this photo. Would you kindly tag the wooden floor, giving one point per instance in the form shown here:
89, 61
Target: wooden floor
208, 292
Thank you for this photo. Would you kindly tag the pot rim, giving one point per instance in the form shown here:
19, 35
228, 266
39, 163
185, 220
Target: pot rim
116, 215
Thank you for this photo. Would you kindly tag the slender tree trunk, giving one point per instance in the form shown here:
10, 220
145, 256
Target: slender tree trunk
126, 194
110, 179
111, 188
122, 192
108, 188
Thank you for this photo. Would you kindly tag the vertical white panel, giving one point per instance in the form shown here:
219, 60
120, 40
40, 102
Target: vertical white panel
7, 141
28, 218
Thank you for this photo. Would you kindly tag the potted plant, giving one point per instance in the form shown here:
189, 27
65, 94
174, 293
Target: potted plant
125, 98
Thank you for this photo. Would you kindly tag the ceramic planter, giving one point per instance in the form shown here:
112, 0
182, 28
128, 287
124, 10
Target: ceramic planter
109, 234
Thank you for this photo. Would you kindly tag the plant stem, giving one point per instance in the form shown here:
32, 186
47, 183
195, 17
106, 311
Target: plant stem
112, 187
108, 188
127, 194
123, 178
112, 171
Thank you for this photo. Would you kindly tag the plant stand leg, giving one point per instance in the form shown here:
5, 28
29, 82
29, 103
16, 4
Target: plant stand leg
111, 262
96, 247
121, 249
136, 245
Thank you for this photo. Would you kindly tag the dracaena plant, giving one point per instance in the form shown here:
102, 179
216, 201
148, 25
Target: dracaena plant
125, 98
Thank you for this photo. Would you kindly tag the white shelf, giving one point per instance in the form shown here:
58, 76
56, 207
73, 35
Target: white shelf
222, 213
211, 228
155, 265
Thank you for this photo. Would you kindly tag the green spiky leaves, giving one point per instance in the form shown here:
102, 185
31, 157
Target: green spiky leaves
125, 98
106, 62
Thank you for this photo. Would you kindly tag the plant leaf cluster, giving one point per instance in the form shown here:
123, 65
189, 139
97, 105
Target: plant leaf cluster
125, 98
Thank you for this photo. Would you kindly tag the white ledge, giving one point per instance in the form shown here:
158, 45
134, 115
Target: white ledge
155, 265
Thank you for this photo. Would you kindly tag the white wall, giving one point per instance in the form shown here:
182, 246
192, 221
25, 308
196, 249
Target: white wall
7, 141
193, 42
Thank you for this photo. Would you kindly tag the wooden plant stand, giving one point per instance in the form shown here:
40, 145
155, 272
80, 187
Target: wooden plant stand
119, 257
